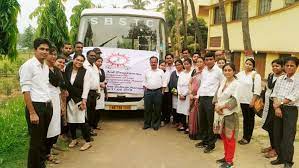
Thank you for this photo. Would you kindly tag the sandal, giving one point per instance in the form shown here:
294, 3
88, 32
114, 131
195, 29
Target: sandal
271, 154
265, 150
52, 160
243, 142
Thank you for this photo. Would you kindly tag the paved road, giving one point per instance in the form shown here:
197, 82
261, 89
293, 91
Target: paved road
123, 144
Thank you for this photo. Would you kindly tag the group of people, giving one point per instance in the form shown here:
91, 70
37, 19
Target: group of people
62, 93
203, 95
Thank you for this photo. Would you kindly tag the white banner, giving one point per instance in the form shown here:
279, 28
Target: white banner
125, 68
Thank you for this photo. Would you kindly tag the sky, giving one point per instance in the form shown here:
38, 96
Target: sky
28, 6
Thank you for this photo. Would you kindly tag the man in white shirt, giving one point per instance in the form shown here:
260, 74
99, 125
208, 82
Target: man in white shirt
34, 82
154, 85
167, 97
211, 77
92, 95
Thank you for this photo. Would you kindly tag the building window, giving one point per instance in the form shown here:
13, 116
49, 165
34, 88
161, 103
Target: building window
217, 18
264, 6
290, 2
237, 10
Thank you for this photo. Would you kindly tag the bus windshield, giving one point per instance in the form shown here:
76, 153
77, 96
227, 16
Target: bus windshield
128, 32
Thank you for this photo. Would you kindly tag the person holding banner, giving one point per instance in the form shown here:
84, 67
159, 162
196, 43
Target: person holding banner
154, 85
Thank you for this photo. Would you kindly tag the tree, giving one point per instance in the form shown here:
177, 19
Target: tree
197, 27
51, 21
138, 4
184, 23
9, 10
75, 18
27, 38
224, 29
245, 28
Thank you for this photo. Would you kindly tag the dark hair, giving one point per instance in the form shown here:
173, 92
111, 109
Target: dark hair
88, 52
52, 49
202, 58
99, 57
178, 61
252, 61
195, 53
161, 62
210, 54
278, 61
188, 60
185, 49
292, 59
97, 50
152, 57
78, 42
232, 67
39, 41
60, 57
222, 58
168, 55
66, 43
79, 55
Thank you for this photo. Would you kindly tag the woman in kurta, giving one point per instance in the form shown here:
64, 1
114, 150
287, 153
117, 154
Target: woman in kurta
102, 90
250, 89
55, 85
77, 81
226, 121
172, 85
183, 94
269, 112
194, 85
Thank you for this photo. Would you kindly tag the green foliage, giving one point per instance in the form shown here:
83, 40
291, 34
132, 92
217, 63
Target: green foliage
9, 10
75, 18
52, 22
14, 140
27, 38
138, 4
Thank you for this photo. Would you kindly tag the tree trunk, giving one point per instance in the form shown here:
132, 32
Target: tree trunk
224, 30
197, 29
245, 28
184, 24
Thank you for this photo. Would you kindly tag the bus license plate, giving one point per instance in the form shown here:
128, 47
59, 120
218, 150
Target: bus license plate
119, 107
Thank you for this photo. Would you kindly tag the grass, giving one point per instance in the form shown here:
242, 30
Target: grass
14, 134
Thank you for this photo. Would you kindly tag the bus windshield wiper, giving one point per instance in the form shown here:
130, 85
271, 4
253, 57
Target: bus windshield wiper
107, 41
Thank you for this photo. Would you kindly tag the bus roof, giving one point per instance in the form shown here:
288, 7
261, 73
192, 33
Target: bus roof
122, 11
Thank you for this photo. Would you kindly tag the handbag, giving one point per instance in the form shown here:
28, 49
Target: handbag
258, 106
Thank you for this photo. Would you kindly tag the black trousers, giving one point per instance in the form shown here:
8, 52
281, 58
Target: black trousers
248, 121
269, 124
285, 132
166, 107
175, 116
91, 108
98, 115
152, 108
38, 134
182, 119
206, 112
84, 130
50, 142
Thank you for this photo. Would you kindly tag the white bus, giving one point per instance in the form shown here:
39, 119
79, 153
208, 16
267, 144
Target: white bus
127, 38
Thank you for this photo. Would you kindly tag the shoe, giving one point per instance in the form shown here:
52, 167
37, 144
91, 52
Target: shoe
209, 149
226, 165
93, 133
156, 129
73, 143
180, 129
287, 165
221, 161
243, 142
276, 162
271, 154
265, 150
145, 127
186, 131
86, 146
162, 124
200, 145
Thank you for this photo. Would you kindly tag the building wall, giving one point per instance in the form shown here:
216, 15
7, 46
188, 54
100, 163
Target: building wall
276, 31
